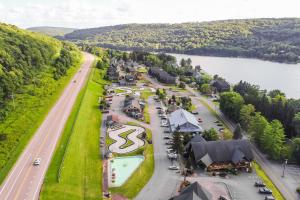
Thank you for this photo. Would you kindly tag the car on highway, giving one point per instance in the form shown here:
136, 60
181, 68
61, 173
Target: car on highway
265, 190
259, 184
37, 161
270, 197
173, 167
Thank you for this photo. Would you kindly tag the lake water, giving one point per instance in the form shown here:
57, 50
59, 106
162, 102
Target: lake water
268, 75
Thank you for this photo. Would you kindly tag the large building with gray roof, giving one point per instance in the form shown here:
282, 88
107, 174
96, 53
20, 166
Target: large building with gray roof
184, 122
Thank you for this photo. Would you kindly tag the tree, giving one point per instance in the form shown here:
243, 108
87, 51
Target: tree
273, 139
296, 149
210, 135
182, 85
257, 127
296, 123
206, 88
274, 93
246, 114
177, 142
237, 134
231, 104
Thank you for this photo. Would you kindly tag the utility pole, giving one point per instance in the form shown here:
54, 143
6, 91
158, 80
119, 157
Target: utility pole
284, 166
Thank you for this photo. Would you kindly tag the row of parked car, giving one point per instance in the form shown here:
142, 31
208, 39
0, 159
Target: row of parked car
264, 190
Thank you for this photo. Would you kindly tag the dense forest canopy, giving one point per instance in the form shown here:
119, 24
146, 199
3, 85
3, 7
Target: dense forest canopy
52, 31
24, 55
269, 39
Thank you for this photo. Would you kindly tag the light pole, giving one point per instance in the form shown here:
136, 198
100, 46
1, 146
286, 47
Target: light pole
284, 166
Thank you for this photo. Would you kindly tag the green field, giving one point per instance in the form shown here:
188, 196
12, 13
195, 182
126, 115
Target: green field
81, 169
142, 175
29, 113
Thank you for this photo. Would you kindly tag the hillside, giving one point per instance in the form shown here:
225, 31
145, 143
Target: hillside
269, 39
52, 31
34, 69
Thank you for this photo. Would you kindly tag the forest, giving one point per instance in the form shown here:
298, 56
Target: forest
268, 39
34, 68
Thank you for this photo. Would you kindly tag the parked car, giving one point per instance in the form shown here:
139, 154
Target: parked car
169, 143
158, 107
171, 148
217, 122
105, 111
270, 197
37, 161
172, 156
167, 131
200, 120
259, 184
265, 190
195, 112
167, 138
173, 167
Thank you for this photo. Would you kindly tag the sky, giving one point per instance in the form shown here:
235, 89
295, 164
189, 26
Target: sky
96, 13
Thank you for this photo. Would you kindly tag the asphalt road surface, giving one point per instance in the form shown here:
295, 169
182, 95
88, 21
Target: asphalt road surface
25, 180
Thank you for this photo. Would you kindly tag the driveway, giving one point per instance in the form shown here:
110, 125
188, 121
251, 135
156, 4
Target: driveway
164, 182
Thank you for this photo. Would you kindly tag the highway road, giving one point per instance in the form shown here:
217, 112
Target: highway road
25, 180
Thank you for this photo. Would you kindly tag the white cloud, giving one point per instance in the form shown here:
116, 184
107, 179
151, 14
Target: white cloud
93, 13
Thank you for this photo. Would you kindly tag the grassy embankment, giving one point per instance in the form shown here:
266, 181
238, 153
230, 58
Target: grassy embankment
76, 168
31, 110
145, 95
142, 175
264, 177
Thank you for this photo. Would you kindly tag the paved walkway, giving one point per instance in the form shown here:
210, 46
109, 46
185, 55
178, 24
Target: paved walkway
115, 135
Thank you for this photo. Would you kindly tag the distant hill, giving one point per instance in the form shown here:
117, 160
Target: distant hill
52, 31
268, 39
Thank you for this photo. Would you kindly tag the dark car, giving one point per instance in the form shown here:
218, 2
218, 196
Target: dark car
195, 112
167, 138
259, 184
105, 111
222, 198
158, 107
270, 197
167, 131
265, 190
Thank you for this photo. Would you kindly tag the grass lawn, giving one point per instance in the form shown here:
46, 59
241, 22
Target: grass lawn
141, 176
81, 168
119, 91
267, 181
31, 108
128, 142
145, 95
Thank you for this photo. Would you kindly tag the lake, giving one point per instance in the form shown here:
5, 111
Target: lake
268, 75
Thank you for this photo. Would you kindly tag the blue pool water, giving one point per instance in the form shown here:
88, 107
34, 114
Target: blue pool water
123, 168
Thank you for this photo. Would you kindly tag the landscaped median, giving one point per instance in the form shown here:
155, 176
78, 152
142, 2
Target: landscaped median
75, 171
135, 183
269, 184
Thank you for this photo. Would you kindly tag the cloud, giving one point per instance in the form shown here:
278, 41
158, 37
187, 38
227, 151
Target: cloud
93, 13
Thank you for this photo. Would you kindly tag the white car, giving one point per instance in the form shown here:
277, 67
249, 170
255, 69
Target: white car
164, 125
37, 161
173, 167
172, 155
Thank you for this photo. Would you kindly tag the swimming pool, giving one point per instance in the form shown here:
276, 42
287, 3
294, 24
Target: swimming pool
121, 168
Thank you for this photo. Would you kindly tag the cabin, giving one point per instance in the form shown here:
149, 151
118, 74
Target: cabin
128, 80
194, 191
132, 107
113, 72
162, 76
221, 85
220, 155
183, 121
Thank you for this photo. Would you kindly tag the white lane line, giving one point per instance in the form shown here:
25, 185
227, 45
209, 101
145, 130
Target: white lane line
15, 180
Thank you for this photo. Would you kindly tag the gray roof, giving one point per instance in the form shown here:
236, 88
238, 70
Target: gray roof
194, 192
184, 121
223, 151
